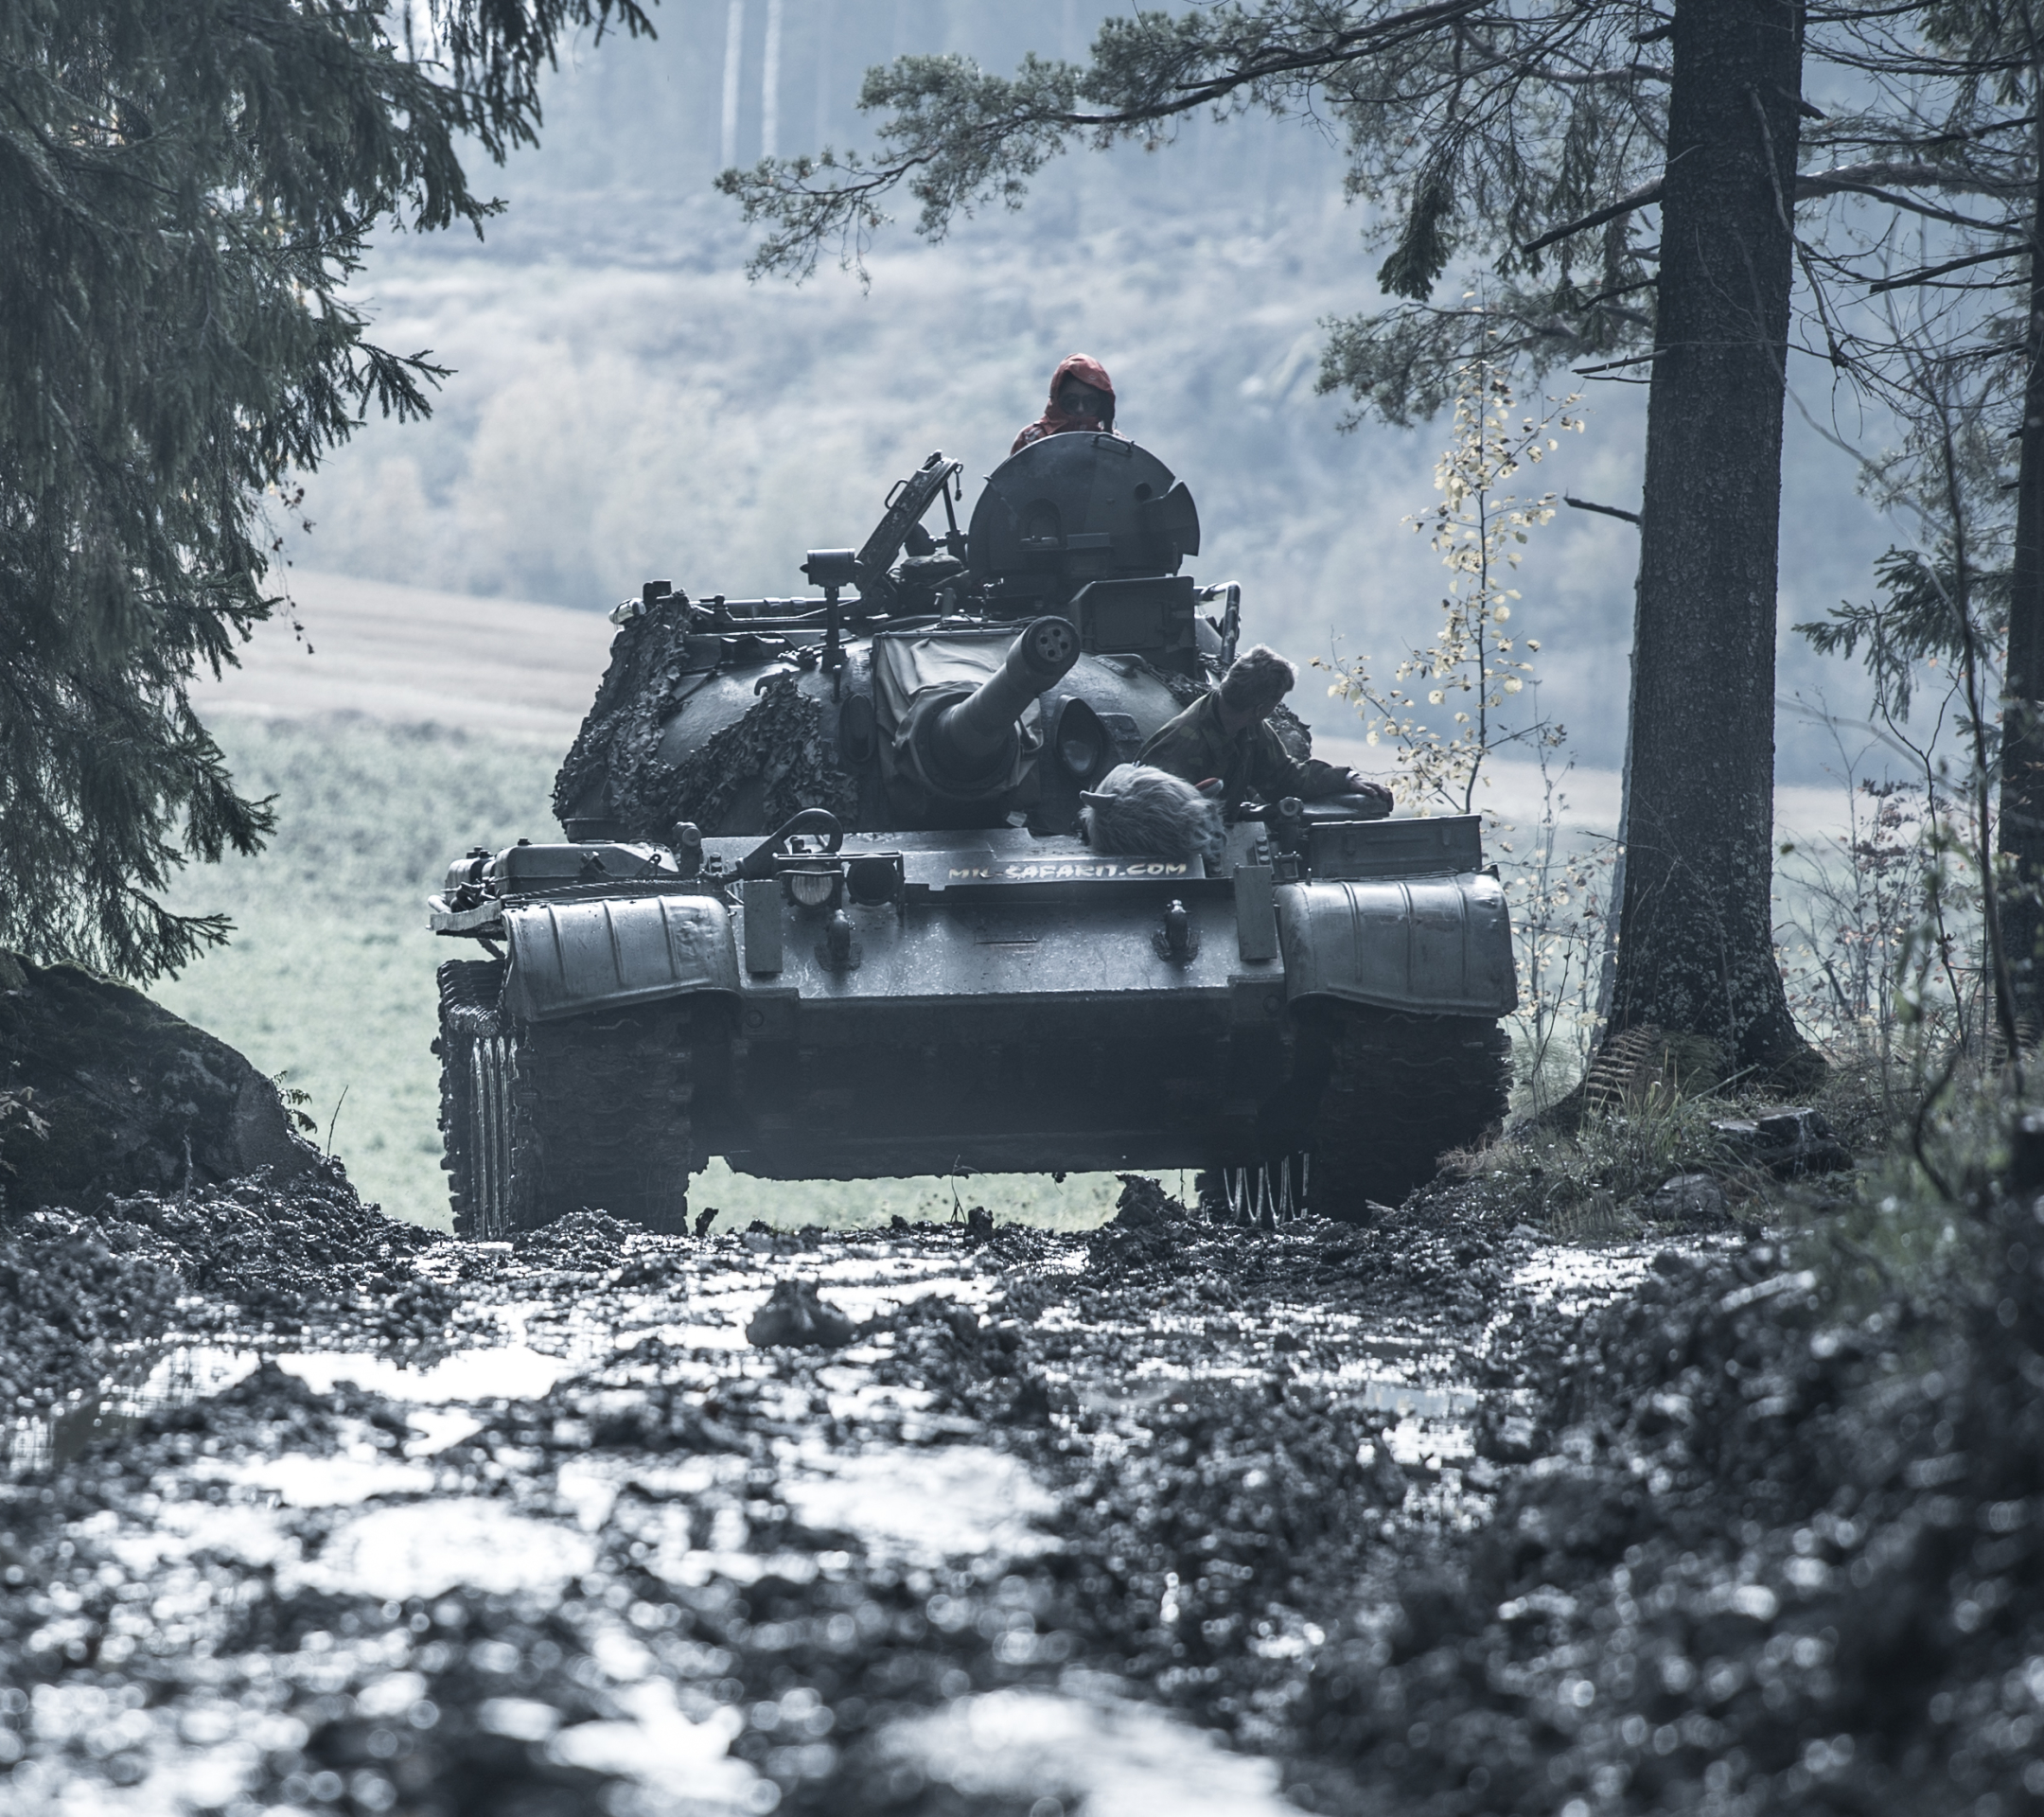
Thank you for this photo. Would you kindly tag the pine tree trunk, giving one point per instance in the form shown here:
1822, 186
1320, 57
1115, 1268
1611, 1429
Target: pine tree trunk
2021, 831
1696, 952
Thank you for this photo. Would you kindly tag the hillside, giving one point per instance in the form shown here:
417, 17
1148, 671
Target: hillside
626, 405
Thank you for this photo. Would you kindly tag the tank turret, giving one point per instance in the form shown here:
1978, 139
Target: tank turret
1061, 612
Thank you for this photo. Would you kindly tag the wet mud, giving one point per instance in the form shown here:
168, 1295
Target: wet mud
1431, 1515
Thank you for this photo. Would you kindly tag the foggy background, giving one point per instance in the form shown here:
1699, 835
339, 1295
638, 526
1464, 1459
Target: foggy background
626, 405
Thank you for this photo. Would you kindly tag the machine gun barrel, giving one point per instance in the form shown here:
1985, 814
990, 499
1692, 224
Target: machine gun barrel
973, 732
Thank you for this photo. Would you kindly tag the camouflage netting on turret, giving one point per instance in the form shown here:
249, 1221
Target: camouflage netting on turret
749, 778
620, 740
1294, 734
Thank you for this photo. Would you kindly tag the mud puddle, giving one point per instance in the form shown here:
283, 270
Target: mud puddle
1063, 1525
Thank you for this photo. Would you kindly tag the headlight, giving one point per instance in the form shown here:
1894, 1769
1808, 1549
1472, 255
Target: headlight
464, 886
874, 877
812, 888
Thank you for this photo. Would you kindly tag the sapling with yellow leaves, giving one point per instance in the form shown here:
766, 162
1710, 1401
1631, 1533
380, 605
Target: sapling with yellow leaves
1440, 713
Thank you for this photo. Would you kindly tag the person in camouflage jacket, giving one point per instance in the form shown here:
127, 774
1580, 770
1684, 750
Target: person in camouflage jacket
1226, 739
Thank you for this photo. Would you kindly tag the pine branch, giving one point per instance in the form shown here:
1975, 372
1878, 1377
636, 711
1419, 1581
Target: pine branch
1645, 195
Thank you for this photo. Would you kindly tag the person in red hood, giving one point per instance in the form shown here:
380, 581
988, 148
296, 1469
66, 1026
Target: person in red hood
1081, 396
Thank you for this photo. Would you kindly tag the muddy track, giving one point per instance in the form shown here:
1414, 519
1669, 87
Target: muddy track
1421, 1516
617, 1132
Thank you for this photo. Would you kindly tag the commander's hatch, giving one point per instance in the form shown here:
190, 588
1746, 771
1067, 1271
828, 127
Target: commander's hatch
907, 504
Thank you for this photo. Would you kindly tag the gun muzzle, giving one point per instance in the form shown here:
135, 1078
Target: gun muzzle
971, 736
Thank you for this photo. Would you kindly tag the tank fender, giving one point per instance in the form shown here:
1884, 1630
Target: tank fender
1433, 945
570, 957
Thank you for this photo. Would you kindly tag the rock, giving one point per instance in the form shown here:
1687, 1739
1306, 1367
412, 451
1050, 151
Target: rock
1144, 1204
133, 1099
795, 1316
1031, 1403
1693, 1199
1787, 1140
978, 1227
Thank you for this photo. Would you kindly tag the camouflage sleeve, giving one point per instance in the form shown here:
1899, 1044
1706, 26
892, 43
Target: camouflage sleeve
1277, 773
1177, 747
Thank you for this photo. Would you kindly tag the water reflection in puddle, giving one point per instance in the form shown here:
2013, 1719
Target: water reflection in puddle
957, 1502
146, 1381
535, 1350
1109, 1759
427, 1548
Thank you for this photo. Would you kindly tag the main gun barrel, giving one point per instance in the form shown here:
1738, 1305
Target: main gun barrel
973, 734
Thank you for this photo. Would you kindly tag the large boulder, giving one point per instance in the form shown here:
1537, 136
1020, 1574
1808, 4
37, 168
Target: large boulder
105, 1093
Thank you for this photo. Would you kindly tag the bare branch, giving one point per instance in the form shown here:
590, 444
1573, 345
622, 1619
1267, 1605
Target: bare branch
1602, 510
1889, 174
1644, 197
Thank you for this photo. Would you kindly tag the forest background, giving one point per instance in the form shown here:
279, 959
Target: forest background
626, 405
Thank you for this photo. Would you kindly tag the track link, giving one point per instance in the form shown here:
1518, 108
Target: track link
473, 1100
601, 1118
1375, 1099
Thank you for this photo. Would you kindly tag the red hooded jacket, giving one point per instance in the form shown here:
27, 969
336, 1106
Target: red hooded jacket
1054, 421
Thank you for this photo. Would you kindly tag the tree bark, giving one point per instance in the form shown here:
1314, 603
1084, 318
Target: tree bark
1696, 952
2020, 834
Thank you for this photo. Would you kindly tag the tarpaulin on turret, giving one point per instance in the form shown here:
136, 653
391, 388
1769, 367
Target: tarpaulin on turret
936, 668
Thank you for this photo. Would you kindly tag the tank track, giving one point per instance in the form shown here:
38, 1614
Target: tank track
1394, 1093
539, 1121
472, 1100
600, 1118
1402, 1091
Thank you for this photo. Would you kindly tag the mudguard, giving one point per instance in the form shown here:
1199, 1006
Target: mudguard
567, 957
1432, 945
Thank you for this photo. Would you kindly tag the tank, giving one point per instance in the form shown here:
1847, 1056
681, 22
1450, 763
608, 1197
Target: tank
825, 906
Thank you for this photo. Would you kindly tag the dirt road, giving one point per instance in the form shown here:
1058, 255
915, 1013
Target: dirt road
1430, 1516
1052, 1531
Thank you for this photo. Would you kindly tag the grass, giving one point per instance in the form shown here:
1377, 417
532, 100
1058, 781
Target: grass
1919, 1231
1917, 1225
1592, 1184
328, 982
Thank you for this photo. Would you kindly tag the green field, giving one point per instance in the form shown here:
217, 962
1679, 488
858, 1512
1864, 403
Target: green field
328, 982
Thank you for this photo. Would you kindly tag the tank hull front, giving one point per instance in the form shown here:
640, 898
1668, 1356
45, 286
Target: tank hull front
995, 1016
1017, 1082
